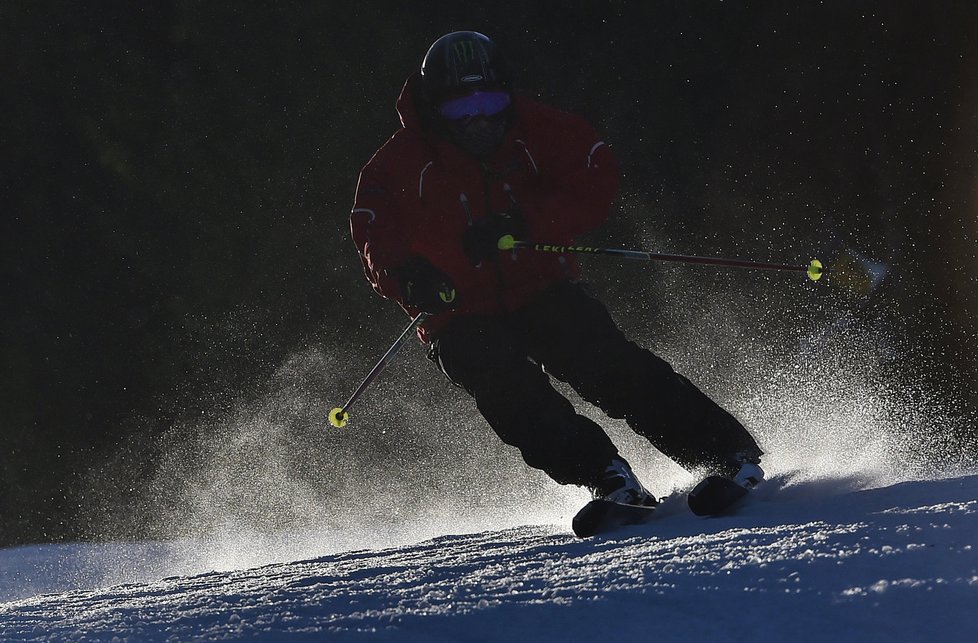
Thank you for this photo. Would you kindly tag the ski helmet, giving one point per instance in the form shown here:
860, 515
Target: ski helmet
461, 61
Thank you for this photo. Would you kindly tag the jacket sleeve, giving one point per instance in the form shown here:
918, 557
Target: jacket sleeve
577, 182
381, 239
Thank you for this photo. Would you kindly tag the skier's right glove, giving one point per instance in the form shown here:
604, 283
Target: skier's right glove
481, 239
425, 287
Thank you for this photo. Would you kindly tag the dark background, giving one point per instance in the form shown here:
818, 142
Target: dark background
177, 181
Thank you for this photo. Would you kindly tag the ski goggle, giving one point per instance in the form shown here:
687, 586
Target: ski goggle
475, 104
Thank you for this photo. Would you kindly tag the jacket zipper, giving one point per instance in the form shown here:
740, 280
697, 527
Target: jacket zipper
500, 281
464, 200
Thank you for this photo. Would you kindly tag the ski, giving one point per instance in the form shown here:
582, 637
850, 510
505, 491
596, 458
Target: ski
715, 496
602, 516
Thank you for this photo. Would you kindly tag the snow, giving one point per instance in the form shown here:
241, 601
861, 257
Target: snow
806, 558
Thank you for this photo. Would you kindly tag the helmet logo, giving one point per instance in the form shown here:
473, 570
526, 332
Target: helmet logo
464, 51
460, 61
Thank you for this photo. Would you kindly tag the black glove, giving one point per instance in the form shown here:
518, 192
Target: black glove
481, 239
425, 287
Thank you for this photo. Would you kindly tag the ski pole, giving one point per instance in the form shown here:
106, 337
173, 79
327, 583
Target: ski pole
339, 415
814, 269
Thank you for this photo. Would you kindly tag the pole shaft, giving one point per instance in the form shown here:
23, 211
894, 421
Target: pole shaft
385, 360
642, 255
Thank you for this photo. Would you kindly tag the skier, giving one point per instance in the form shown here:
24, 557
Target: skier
474, 161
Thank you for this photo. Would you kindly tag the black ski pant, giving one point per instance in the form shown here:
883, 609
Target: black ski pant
503, 361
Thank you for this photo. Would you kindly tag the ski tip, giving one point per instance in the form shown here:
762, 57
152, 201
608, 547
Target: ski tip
338, 417
714, 496
588, 520
603, 516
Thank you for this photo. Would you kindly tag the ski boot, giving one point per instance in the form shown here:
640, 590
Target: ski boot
619, 499
619, 484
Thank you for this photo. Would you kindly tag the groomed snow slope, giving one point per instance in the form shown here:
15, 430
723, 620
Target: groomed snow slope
803, 560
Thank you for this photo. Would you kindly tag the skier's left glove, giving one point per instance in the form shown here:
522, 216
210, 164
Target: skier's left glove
481, 239
425, 287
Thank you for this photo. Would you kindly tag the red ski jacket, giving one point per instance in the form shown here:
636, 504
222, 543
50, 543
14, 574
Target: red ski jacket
419, 192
